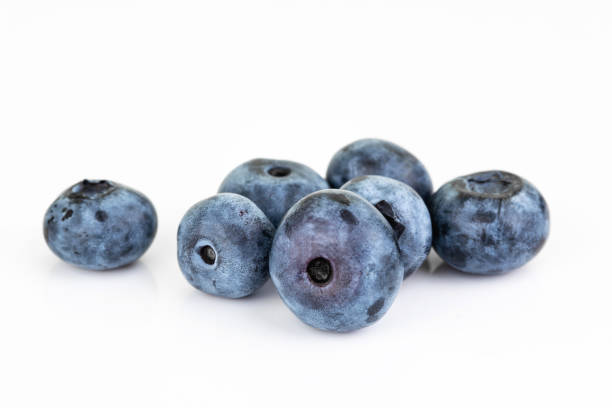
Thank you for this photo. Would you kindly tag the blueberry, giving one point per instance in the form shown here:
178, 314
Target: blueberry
273, 185
223, 246
405, 211
378, 157
100, 224
488, 223
335, 261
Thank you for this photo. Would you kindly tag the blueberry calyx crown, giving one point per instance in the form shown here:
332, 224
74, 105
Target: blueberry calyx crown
319, 271
208, 255
88, 189
279, 171
489, 184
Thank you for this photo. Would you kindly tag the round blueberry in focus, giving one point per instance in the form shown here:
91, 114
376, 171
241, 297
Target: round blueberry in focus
404, 210
273, 185
488, 223
335, 261
100, 224
223, 246
378, 157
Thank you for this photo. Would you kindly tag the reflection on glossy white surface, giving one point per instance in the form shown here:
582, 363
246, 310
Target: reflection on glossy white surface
96, 297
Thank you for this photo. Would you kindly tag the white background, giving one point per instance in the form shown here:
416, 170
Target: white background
169, 96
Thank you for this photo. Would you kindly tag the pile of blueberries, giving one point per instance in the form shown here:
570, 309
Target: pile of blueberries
336, 249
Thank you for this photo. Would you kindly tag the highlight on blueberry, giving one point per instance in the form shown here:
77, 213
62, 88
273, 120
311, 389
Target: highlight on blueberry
224, 244
273, 185
100, 225
335, 261
489, 222
404, 210
380, 158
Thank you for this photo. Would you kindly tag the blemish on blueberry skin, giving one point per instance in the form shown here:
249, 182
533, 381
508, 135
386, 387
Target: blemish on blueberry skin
542, 204
486, 239
485, 217
387, 211
150, 225
340, 198
126, 250
67, 215
374, 309
457, 258
101, 216
50, 220
444, 228
369, 163
348, 217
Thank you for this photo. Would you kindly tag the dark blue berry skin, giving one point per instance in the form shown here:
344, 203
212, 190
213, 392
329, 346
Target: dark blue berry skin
273, 185
100, 225
488, 223
405, 211
335, 261
224, 244
379, 157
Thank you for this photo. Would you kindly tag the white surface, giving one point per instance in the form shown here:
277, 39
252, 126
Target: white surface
167, 97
